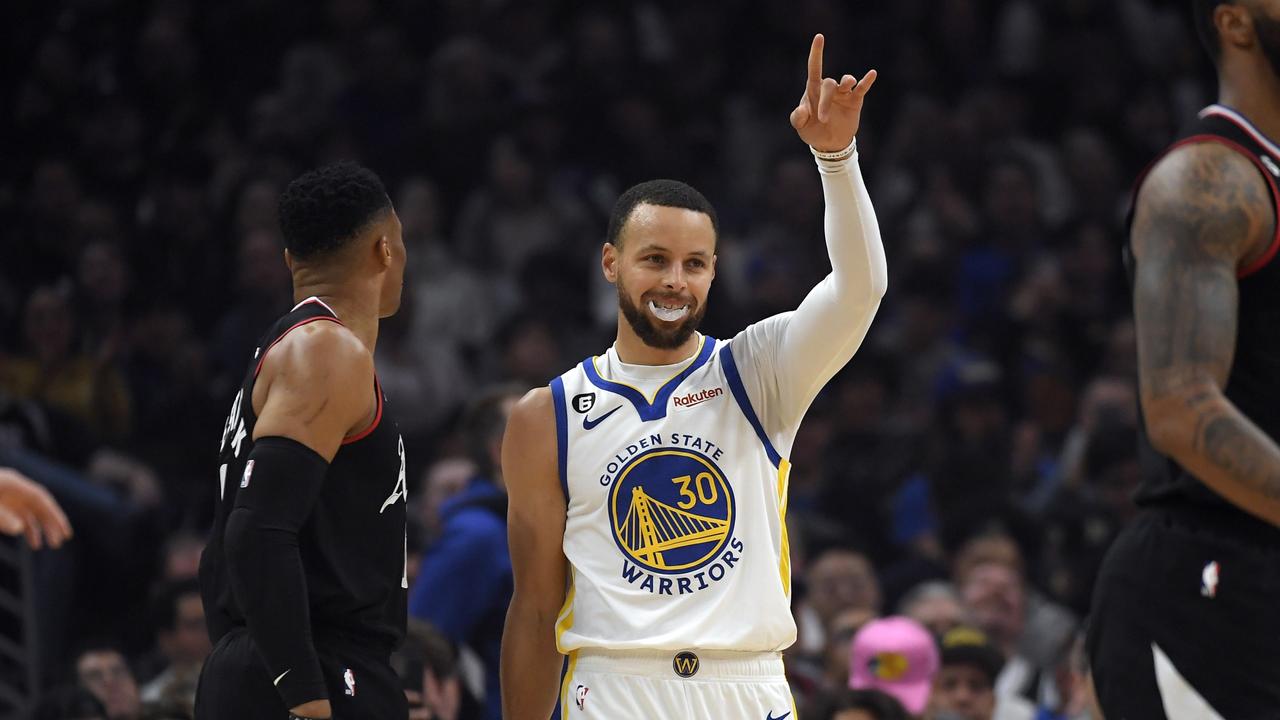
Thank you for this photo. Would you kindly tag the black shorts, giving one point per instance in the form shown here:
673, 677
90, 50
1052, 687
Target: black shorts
1179, 591
234, 684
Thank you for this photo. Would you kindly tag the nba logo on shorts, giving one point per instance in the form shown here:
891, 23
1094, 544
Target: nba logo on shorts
350, 679
1209, 580
248, 470
580, 695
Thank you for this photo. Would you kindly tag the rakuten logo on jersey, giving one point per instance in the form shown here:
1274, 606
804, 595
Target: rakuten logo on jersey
697, 398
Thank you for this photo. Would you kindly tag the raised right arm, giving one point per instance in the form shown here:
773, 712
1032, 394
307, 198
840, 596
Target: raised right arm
1203, 213
535, 531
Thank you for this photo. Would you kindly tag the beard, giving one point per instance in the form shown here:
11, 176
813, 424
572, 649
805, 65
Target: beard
1268, 31
662, 336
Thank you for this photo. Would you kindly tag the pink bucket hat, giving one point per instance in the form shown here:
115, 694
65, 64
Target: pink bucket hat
895, 655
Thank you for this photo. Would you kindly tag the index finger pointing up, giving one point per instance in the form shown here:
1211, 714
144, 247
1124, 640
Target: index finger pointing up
814, 84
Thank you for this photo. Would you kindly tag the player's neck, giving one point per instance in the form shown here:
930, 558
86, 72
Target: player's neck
355, 312
1255, 93
633, 351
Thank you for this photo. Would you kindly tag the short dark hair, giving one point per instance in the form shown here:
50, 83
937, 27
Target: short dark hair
879, 704
164, 602
485, 421
325, 208
666, 193
1202, 15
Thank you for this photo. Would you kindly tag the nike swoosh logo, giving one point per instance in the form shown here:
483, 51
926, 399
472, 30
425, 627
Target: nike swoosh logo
783, 716
588, 424
277, 680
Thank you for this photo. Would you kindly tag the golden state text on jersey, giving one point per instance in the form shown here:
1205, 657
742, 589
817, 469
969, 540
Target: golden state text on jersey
675, 500
671, 510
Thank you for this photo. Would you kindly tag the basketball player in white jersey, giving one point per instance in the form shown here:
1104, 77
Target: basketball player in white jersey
648, 485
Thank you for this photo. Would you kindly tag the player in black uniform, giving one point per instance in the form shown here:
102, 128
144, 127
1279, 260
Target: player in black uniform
303, 578
1187, 603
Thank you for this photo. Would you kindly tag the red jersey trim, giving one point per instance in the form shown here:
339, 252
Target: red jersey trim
263, 357
1274, 246
377, 418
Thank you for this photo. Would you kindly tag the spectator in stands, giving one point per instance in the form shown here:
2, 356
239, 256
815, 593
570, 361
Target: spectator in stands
964, 688
1028, 630
936, 605
838, 579
471, 550
895, 655
101, 669
428, 665
55, 373
182, 638
849, 704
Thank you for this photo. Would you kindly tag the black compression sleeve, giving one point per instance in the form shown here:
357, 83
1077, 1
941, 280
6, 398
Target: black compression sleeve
281, 484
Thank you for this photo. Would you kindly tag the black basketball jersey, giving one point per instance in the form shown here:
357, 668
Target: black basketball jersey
1253, 384
352, 545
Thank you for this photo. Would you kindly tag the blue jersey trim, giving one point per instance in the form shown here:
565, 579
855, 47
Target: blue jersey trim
740, 394
562, 435
657, 409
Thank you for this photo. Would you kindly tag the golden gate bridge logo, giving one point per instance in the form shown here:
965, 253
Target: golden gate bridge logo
672, 510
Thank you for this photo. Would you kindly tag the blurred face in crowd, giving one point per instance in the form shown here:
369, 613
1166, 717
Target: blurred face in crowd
443, 480
1011, 200
103, 274
418, 205
663, 265
105, 674
938, 613
188, 641
511, 172
841, 580
262, 273
531, 353
994, 596
840, 632
182, 558
962, 691
49, 324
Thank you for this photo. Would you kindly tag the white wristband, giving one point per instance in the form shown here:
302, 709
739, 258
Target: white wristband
838, 155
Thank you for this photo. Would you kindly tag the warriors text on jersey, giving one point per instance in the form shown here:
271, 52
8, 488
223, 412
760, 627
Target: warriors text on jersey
352, 545
676, 495
1253, 384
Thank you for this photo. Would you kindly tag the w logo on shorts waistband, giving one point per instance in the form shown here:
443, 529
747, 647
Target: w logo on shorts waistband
685, 664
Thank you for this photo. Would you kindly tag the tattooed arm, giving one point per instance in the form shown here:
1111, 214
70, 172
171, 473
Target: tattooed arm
1202, 213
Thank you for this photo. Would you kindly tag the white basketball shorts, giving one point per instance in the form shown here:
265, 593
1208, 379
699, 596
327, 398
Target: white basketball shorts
696, 685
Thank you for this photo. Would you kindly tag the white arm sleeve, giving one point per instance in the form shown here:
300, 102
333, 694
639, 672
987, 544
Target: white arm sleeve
786, 359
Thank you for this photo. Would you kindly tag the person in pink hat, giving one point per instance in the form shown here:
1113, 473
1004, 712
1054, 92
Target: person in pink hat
898, 656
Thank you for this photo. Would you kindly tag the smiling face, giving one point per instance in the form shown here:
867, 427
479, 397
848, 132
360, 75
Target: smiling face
662, 265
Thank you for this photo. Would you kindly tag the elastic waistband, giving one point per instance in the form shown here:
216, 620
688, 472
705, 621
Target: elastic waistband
688, 664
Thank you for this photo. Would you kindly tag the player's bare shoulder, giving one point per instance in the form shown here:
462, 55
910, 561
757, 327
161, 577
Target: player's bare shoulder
530, 443
1204, 200
317, 380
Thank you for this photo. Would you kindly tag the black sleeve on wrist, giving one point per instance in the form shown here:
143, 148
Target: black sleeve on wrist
283, 481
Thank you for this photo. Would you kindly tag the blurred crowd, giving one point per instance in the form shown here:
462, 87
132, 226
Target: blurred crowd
968, 468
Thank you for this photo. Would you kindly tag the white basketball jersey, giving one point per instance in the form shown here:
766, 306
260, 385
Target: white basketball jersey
675, 533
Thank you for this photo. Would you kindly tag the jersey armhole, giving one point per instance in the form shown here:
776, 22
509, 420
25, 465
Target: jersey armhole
1269, 254
562, 436
377, 416
263, 357
739, 392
